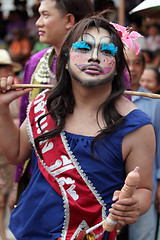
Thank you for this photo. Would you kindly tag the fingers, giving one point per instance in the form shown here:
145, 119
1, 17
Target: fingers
10, 95
116, 195
126, 210
6, 83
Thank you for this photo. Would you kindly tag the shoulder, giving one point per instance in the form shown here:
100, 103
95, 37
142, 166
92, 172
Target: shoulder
33, 61
124, 106
150, 105
37, 56
134, 117
31, 65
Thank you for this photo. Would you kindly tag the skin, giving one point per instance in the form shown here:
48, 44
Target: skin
136, 68
4, 71
53, 25
92, 67
138, 147
148, 80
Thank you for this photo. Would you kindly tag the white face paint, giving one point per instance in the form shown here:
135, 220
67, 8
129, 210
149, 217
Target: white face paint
92, 59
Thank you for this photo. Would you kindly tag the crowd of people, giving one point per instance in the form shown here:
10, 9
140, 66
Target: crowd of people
87, 62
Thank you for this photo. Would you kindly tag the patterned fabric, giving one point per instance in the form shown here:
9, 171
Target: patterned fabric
40, 212
31, 69
63, 172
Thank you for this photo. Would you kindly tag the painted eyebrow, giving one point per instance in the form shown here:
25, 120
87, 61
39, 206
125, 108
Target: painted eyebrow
110, 47
81, 44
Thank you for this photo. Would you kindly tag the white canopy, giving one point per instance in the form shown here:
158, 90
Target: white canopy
147, 5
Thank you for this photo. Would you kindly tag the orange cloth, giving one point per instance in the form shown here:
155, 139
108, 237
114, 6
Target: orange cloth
23, 46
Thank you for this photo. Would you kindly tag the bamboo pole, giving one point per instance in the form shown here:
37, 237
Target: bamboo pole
17, 86
143, 94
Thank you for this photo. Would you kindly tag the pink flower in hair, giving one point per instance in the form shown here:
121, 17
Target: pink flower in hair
128, 36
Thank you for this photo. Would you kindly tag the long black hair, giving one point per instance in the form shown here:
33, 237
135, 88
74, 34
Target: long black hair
61, 100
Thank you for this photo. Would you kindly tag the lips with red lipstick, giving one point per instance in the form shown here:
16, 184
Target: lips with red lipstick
93, 69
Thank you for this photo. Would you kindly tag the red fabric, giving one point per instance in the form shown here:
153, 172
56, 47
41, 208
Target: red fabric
112, 235
63, 174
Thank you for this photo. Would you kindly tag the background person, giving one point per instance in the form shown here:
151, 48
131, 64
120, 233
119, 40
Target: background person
150, 79
7, 68
55, 21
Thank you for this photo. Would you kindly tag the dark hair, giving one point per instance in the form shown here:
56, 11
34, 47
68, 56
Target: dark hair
148, 52
100, 5
79, 8
155, 25
61, 100
142, 58
157, 73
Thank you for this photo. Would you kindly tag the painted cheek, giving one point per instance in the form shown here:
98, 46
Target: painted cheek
108, 65
108, 62
78, 58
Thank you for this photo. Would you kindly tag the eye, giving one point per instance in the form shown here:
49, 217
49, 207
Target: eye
45, 14
83, 50
109, 49
106, 52
81, 46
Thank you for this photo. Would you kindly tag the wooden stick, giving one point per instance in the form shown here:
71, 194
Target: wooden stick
143, 94
16, 86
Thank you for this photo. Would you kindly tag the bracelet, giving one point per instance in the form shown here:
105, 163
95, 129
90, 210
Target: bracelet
14, 188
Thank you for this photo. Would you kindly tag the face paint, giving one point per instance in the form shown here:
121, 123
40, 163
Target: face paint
111, 48
80, 45
92, 60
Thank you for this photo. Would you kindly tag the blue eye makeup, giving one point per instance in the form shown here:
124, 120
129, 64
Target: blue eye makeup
80, 45
110, 47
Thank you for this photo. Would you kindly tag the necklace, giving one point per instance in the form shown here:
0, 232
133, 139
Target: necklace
43, 73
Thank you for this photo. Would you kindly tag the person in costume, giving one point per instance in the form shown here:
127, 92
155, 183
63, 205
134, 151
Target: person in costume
86, 137
55, 21
41, 66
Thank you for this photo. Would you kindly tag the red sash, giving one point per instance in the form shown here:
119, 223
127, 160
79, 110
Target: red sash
83, 206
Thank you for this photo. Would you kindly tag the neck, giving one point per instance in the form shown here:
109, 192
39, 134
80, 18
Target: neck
57, 50
135, 86
91, 98
59, 43
83, 121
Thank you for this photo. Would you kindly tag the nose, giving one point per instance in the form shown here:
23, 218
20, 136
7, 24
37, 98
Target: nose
144, 84
94, 56
39, 22
131, 66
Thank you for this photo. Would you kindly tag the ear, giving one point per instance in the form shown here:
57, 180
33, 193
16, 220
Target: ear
70, 21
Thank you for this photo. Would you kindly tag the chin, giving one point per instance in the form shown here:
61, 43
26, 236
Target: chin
92, 83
